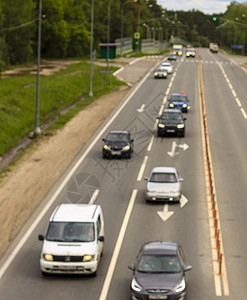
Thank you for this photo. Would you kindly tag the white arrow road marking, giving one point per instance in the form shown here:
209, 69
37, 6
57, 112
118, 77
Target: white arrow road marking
183, 146
141, 109
165, 214
183, 201
173, 152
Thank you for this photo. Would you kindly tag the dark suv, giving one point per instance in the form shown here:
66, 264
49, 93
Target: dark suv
171, 122
117, 143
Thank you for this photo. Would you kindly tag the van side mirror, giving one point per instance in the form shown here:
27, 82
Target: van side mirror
131, 267
41, 237
103, 140
101, 238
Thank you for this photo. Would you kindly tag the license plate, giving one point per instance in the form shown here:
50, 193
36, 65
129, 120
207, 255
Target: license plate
116, 153
157, 297
170, 130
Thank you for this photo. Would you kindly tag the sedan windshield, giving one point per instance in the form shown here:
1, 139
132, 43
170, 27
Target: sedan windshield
117, 137
159, 264
178, 98
70, 232
163, 177
171, 116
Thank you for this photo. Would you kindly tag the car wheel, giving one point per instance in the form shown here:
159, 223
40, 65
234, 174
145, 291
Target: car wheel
128, 155
159, 133
44, 274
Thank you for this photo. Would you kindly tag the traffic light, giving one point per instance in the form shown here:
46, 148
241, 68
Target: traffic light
214, 19
136, 42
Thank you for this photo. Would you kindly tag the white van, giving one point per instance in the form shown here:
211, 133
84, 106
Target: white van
74, 240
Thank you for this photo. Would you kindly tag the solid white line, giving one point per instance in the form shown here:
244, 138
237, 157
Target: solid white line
150, 144
94, 196
161, 109
118, 71
63, 183
143, 166
117, 248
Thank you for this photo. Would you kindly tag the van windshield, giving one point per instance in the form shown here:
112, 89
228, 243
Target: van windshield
70, 232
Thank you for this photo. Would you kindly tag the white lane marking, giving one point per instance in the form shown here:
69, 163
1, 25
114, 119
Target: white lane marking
118, 71
117, 248
141, 109
150, 144
142, 169
165, 214
238, 102
161, 109
232, 90
244, 113
173, 150
20, 244
94, 196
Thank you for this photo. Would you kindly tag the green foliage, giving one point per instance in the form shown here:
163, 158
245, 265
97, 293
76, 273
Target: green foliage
57, 92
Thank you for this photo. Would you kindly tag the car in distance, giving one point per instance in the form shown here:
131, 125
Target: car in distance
179, 101
117, 143
190, 53
74, 239
159, 272
171, 121
163, 184
172, 56
160, 73
167, 66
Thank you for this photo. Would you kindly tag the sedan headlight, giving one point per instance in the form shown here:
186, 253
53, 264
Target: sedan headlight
135, 286
165, 74
88, 257
48, 257
180, 126
184, 105
126, 147
180, 287
155, 74
106, 147
160, 125
171, 105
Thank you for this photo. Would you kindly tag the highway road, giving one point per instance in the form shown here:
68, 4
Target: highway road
129, 220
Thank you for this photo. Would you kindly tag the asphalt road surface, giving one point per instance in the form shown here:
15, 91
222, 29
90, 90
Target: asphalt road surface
129, 220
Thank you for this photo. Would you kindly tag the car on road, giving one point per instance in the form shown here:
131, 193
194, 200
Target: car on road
171, 56
179, 101
167, 66
160, 73
163, 184
159, 272
191, 53
117, 143
170, 122
74, 239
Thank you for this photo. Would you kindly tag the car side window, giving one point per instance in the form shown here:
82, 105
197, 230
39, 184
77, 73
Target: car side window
98, 226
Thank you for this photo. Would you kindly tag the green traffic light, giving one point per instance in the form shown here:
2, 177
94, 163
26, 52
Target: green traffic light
214, 18
136, 42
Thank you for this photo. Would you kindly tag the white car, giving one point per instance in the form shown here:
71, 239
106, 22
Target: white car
167, 66
163, 183
74, 239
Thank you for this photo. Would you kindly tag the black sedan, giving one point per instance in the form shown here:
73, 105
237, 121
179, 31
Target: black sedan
117, 143
171, 122
159, 272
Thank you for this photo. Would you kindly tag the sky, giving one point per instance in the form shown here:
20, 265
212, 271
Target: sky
205, 6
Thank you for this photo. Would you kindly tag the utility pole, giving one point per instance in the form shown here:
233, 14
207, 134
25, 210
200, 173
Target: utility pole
91, 52
37, 129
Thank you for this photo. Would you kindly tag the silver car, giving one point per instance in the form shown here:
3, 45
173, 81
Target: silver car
163, 183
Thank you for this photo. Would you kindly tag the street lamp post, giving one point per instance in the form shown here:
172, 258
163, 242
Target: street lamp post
91, 52
37, 129
108, 31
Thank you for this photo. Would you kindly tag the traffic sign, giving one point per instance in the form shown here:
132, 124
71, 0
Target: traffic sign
137, 35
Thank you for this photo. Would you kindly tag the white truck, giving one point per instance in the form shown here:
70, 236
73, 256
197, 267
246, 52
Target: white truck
177, 49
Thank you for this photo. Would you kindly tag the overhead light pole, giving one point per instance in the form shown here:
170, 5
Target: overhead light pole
91, 52
37, 129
